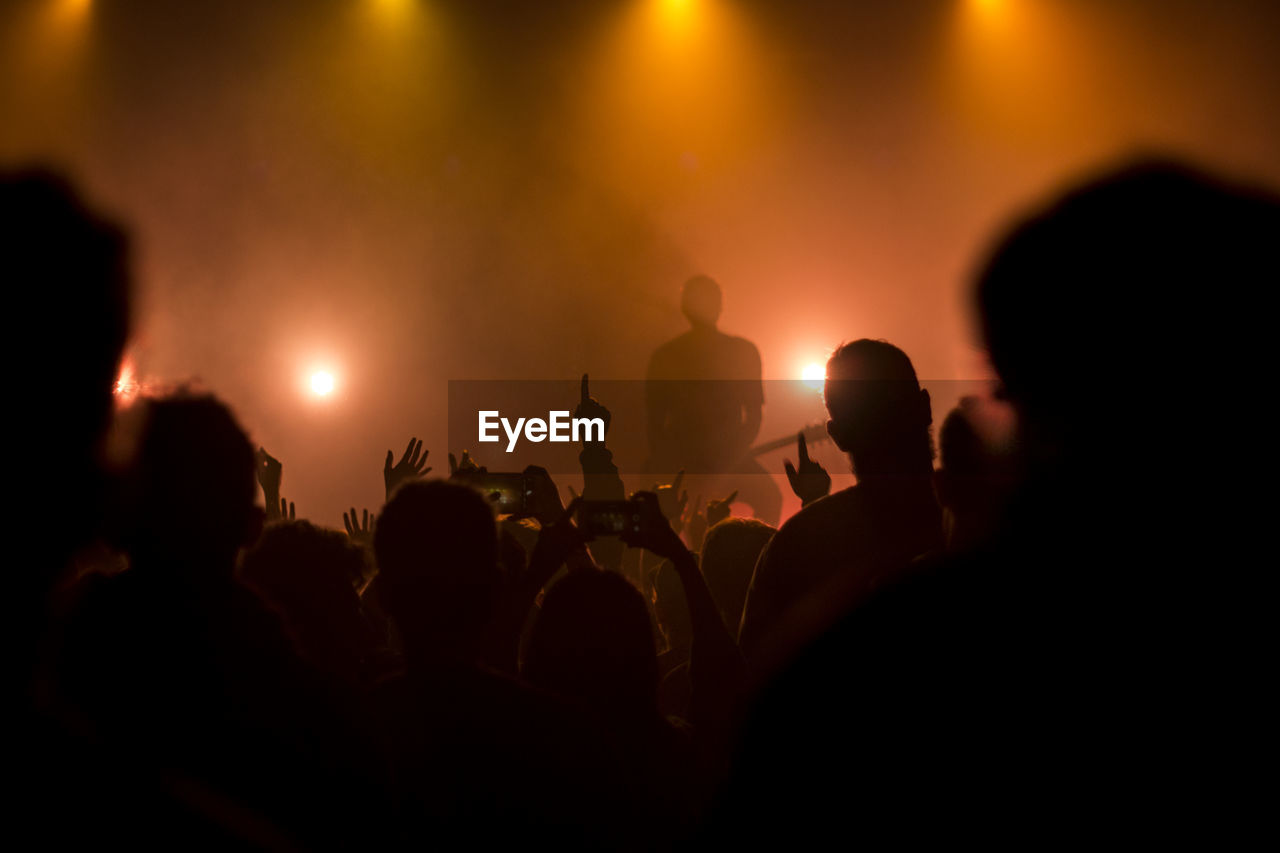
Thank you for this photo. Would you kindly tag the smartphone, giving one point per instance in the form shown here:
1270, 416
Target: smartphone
510, 493
610, 518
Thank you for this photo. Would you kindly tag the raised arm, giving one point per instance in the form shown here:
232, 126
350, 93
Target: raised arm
600, 475
716, 667
270, 474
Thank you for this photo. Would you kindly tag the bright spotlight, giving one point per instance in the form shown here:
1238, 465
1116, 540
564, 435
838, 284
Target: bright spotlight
322, 383
814, 375
72, 10
127, 386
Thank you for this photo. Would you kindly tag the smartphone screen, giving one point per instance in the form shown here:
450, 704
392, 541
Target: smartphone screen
508, 492
608, 518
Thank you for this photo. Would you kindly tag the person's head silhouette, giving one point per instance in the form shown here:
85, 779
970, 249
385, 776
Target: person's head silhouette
593, 643
879, 414
978, 471
68, 278
1137, 291
309, 575
437, 549
192, 486
729, 554
700, 302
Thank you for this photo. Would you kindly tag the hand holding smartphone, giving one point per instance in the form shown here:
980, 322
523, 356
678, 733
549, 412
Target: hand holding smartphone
639, 522
610, 518
510, 493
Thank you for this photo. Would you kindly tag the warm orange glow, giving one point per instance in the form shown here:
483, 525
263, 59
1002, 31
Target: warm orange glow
381, 80
988, 7
322, 383
1018, 71
400, 13
814, 375
50, 61
126, 387
677, 13
680, 90
72, 10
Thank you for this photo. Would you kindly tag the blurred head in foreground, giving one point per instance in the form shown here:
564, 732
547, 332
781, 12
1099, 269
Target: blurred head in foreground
439, 577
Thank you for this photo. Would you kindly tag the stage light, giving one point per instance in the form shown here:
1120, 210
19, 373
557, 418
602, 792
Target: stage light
677, 90
814, 375
72, 10
126, 387
404, 18
322, 383
676, 12
395, 7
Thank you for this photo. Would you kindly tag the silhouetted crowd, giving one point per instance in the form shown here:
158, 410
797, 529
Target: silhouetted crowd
1054, 631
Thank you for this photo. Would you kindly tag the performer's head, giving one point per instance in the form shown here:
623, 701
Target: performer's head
700, 302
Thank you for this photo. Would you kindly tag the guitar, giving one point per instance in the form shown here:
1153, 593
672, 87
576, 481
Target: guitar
813, 433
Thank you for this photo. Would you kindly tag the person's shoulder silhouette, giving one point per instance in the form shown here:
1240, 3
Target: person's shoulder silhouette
68, 282
1101, 637
476, 753
177, 662
838, 547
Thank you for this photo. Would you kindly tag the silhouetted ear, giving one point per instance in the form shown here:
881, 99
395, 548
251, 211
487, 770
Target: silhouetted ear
926, 408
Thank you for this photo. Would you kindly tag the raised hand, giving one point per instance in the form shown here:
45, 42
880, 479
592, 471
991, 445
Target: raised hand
467, 464
270, 472
361, 533
656, 533
672, 500
811, 481
590, 407
412, 465
718, 511
287, 511
543, 502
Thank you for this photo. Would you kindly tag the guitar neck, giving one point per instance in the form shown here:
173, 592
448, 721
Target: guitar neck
770, 446
813, 433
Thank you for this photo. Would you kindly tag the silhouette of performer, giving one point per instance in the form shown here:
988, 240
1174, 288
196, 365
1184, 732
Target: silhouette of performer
704, 396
